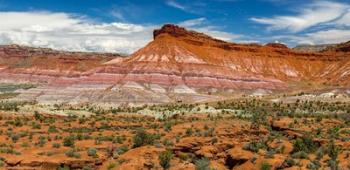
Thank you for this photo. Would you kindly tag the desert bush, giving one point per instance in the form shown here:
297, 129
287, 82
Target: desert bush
290, 162
87, 168
14, 138
142, 138
255, 146
56, 145
202, 164
68, 141
314, 165
119, 139
305, 144
72, 153
111, 166
9, 106
167, 142
299, 155
36, 125
167, 126
189, 132
333, 164
52, 129
92, 152
165, 158
63, 168
42, 141
265, 166
38, 116
122, 149
186, 156
333, 150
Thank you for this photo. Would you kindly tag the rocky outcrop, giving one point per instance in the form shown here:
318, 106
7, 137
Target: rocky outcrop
343, 47
17, 59
177, 56
177, 64
313, 48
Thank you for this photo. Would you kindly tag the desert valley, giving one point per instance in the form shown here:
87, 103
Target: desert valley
184, 101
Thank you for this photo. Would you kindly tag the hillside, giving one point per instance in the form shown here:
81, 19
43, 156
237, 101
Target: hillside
178, 65
178, 56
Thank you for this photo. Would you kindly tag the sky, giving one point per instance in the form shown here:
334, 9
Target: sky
124, 26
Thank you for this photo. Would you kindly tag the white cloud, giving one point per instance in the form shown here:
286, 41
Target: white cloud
328, 36
331, 36
117, 14
175, 4
319, 12
201, 25
344, 20
74, 33
222, 35
192, 22
68, 32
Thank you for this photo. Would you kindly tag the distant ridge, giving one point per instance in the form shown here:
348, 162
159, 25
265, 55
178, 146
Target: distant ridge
178, 65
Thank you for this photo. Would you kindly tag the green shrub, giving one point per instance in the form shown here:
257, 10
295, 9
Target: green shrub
92, 152
52, 129
265, 166
305, 144
299, 155
142, 138
189, 132
72, 153
14, 138
64, 168
314, 165
68, 141
122, 149
290, 162
167, 126
255, 146
36, 125
165, 158
56, 145
333, 151
38, 116
202, 164
333, 164
111, 166
42, 141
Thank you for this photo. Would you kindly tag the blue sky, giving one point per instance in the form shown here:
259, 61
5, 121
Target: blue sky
126, 25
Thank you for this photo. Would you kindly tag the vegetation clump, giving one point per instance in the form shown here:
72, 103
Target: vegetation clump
142, 138
165, 158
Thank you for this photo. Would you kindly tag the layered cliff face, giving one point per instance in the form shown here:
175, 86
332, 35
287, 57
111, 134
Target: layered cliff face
177, 65
178, 56
41, 61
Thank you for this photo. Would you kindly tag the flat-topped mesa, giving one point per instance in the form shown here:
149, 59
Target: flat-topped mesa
277, 45
35, 61
170, 29
201, 39
343, 47
177, 31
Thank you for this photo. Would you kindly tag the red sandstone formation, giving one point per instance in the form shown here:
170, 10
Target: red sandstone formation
42, 61
177, 61
177, 56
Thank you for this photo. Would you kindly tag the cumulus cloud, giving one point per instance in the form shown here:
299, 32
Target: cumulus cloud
73, 33
319, 12
69, 32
